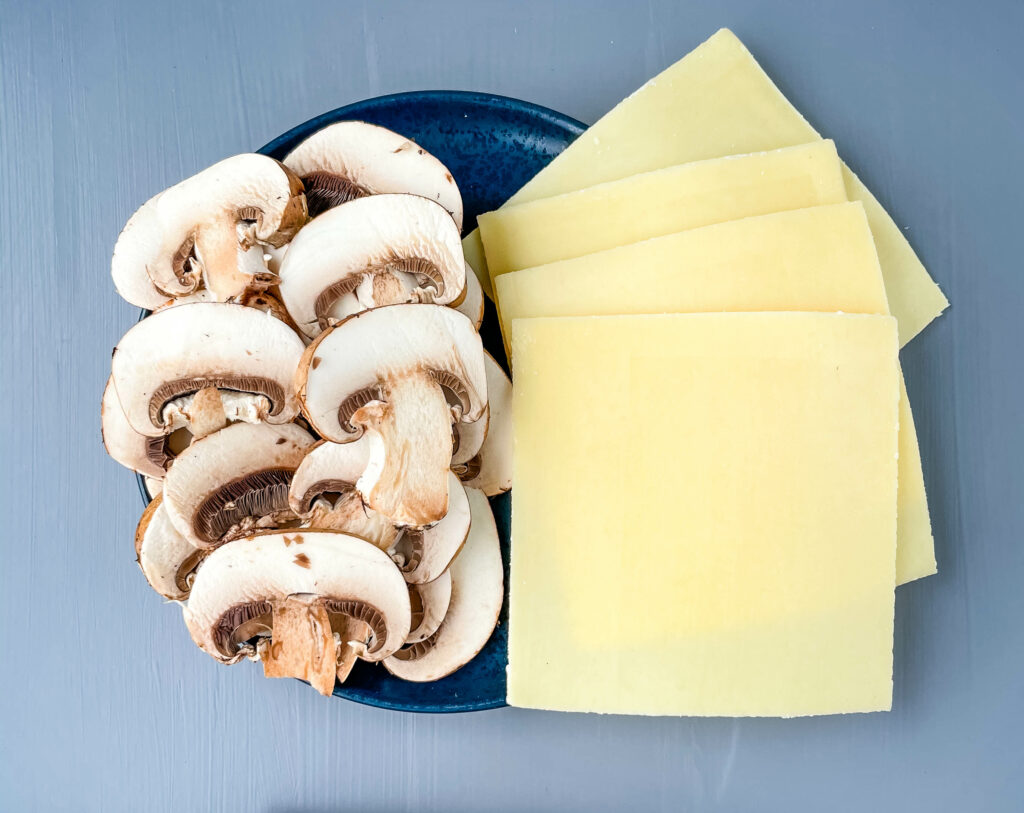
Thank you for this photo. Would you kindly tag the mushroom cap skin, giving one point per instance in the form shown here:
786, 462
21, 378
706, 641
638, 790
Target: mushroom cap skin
213, 483
432, 599
347, 365
476, 597
167, 559
351, 159
472, 304
491, 471
369, 252
208, 229
258, 571
141, 237
433, 549
146, 455
180, 350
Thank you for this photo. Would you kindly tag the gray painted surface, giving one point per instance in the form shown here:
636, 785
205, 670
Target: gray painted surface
105, 704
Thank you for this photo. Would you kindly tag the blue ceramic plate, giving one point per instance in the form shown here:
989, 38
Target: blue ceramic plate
492, 145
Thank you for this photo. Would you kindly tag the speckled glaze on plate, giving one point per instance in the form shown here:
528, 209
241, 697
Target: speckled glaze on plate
492, 145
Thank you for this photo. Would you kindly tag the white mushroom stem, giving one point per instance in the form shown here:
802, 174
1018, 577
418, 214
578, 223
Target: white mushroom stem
410, 437
350, 515
303, 644
211, 409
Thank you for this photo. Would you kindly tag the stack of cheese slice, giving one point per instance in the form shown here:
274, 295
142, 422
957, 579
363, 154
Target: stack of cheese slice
718, 477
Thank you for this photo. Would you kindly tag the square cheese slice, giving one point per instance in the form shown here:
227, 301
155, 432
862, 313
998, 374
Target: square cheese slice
704, 516
660, 202
718, 101
820, 259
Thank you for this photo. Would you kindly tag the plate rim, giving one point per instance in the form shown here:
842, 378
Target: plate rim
304, 129
472, 97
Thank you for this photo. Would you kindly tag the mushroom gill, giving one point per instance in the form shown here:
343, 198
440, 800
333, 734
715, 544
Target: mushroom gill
223, 515
257, 385
325, 190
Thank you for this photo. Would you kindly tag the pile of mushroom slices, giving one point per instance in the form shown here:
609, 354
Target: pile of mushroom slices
311, 404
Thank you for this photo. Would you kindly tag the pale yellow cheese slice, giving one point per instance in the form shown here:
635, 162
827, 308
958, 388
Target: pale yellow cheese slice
718, 101
660, 202
704, 516
820, 259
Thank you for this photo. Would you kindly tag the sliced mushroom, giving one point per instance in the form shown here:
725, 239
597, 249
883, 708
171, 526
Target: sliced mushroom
468, 440
491, 469
234, 481
261, 300
142, 237
380, 250
210, 231
429, 604
269, 597
400, 373
353, 159
248, 356
476, 597
423, 555
154, 487
323, 493
472, 304
146, 455
167, 559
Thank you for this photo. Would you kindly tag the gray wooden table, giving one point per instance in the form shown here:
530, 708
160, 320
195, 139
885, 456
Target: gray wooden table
105, 703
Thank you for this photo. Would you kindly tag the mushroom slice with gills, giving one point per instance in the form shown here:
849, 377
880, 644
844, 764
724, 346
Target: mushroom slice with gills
472, 304
167, 559
142, 237
148, 456
424, 554
210, 231
429, 604
323, 493
491, 469
467, 441
402, 374
268, 598
234, 482
354, 159
260, 300
382, 250
248, 356
476, 597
